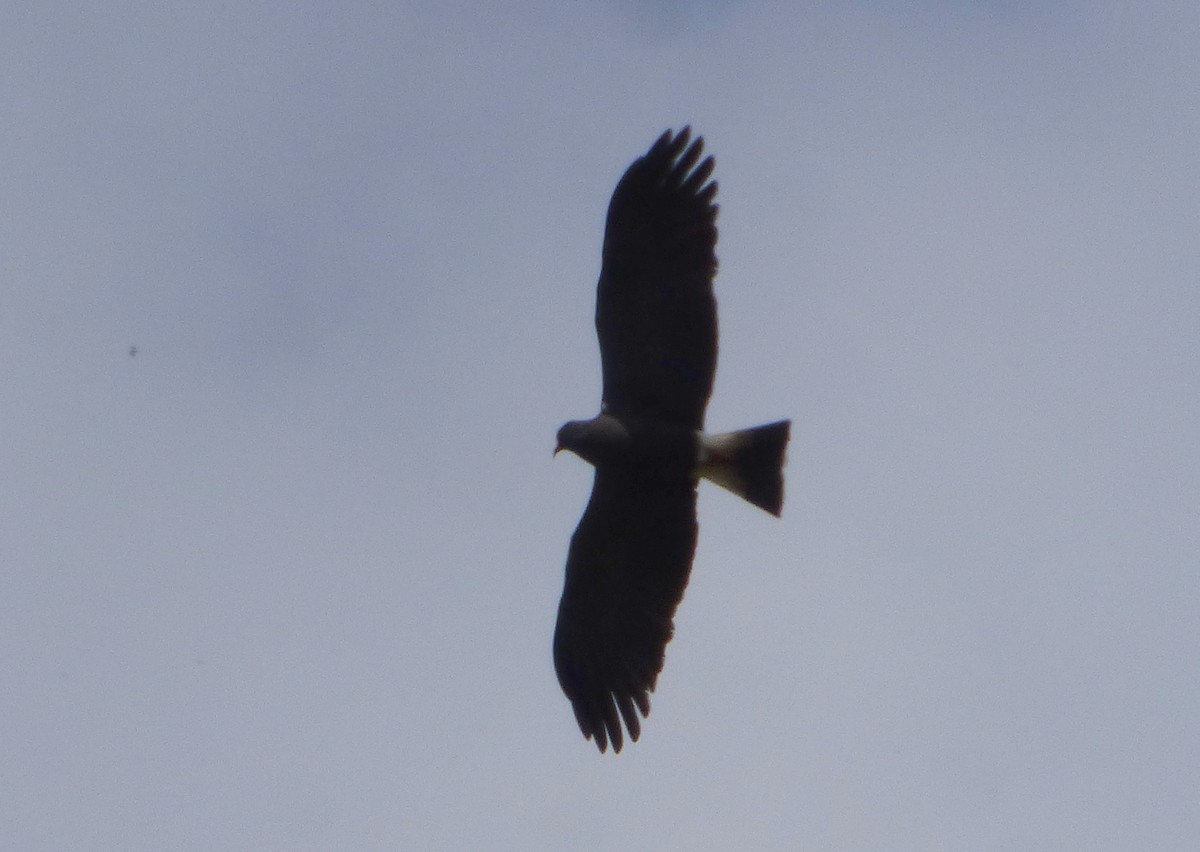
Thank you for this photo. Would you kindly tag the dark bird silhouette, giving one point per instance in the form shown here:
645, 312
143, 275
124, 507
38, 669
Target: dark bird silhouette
630, 557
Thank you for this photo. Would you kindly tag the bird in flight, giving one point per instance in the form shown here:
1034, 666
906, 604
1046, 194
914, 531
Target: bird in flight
629, 559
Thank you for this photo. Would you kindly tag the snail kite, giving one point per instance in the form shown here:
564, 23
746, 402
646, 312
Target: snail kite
629, 559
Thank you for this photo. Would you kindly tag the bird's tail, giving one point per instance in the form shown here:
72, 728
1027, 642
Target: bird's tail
748, 462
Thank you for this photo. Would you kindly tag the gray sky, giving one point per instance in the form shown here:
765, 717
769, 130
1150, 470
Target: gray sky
287, 578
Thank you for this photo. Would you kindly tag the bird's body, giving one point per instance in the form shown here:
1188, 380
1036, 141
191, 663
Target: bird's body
629, 559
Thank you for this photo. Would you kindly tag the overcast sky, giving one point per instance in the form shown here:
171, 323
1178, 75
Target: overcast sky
286, 578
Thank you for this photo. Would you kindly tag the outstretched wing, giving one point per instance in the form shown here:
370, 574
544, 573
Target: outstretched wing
626, 571
655, 313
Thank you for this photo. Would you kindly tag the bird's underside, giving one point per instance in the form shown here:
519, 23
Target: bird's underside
629, 559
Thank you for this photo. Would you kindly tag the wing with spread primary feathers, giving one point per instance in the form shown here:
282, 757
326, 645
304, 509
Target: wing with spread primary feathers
627, 569
655, 313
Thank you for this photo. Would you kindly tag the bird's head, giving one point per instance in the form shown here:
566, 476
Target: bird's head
593, 440
570, 437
